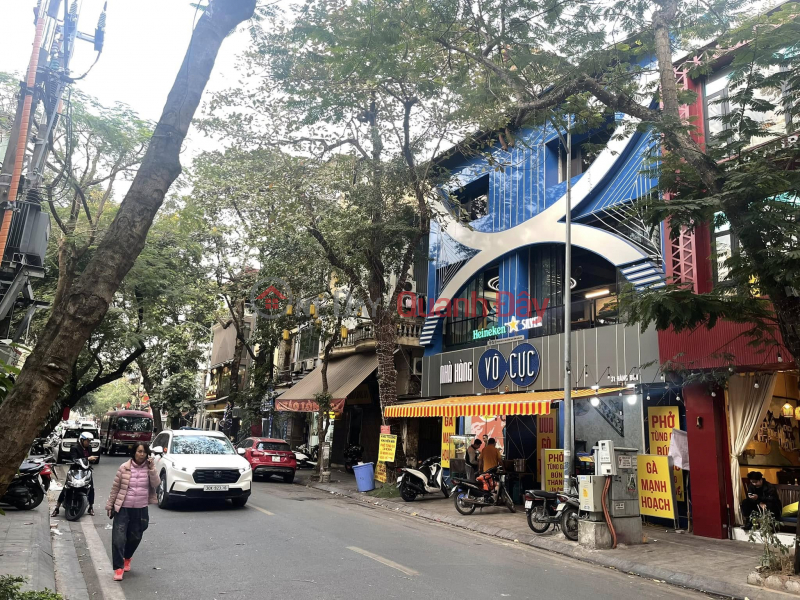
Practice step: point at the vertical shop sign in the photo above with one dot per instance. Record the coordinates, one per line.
(656, 494)
(546, 427)
(661, 421)
(448, 429)
(553, 470)
(380, 472)
(387, 447)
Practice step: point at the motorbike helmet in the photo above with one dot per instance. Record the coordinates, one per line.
(86, 436)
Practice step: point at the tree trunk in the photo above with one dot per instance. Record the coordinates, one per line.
(84, 306)
(150, 388)
(385, 346)
(238, 353)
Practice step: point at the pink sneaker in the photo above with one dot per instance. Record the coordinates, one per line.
(118, 575)
(127, 564)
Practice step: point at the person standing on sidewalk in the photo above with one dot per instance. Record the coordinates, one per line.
(133, 489)
(471, 458)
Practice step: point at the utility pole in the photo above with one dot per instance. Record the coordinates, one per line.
(24, 226)
(569, 433)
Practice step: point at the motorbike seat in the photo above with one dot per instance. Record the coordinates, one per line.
(544, 494)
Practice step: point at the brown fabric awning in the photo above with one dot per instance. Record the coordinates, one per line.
(344, 376)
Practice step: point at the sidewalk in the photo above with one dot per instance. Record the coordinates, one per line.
(25, 547)
(707, 565)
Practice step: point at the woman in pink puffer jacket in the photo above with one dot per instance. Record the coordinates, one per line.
(134, 488)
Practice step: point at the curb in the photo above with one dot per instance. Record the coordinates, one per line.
(702, 584)
(46, 572)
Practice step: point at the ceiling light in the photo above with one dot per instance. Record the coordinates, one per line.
(595, 387)
(598, 293)
(595, 401)
(631, 399)
(631, 385)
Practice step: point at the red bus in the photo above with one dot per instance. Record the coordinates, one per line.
(121, 429)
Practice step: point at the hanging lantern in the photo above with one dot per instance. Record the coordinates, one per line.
(797, 413)
(344, 333)
(312, 310)
(788, 410)
(286, 335)
(289, 310)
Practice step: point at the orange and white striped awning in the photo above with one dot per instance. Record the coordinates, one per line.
(494, 405)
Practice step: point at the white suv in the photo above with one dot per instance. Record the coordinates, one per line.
(199, 464)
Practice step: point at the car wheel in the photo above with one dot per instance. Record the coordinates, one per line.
(239, 502)
(162, 493)
(288, 478)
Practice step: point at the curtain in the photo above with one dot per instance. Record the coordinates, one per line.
(747, 408)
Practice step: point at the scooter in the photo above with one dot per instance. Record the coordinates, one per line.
(352, 456)
(79, 481)
(306, 457)
(542, 508)
(428, 479)
(26, 490)
(469, 495)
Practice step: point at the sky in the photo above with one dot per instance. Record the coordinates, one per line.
(145, 44)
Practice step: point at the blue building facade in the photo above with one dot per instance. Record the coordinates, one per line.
(503, 236)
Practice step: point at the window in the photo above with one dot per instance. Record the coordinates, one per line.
(725, 244)
(472, 201)
(162, 439)
(248, 443)
(200, 444)
(309, 344)
(474, 308)
(274, 446)
(717, 107)
(138, 424)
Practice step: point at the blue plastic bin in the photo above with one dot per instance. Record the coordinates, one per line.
(365, 477)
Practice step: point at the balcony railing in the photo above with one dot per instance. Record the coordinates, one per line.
(586, 314)
(408, 332)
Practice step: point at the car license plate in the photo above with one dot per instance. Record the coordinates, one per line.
(215, 488)
(276, 459)
(528, 503)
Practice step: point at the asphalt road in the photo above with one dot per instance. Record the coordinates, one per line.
(293, 542)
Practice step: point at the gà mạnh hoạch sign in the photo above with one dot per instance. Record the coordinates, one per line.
(656, 494)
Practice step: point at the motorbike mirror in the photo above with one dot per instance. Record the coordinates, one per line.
(241, 450)
(157, 450)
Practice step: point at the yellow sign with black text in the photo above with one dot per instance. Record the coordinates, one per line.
(448, 429)
(656, 494)
(553, 470)
(387, 447)
(661, 420)
(546, 427)
(380, 472)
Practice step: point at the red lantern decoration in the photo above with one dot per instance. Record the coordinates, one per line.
(65, 414)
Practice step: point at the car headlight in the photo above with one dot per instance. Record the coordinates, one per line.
(245, 469)
(188, 470)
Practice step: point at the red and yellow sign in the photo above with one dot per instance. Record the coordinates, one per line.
(448, 429)
(387, 447)
(553, 470)
(546, 427)
(661, 421)
(656, 494)
(380, 472)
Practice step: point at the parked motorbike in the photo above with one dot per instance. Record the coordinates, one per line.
(79, 481)
(469, 495)
(26, 490)
(552, 508)
(37, 447)
(428, 479)
(352, 456)
(306, 456)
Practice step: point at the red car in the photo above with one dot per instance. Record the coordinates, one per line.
(270, 457)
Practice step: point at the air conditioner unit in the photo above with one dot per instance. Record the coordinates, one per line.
(308, 365)
(417, 366)
(297, 367)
